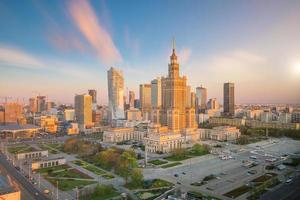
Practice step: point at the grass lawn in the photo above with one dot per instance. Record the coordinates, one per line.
(50, 150)
(20, 149)
(198, 195)
(87, 166)
(158, 162)
(104, 192)
(171, 165)
(238, 191)
(189, 154)
(108, 176)
(68, 184)
(150, 195)
(151, 184)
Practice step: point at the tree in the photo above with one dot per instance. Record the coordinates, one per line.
(137, 177)
(126, 164)
(179, 153)
(243, 139)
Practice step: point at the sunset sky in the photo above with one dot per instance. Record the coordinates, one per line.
(59, 48)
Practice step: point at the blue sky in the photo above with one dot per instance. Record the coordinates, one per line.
(59, 48)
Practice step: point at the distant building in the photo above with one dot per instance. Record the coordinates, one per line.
(49, 123)
(285, 117)
(41, 103)
(156, 93)
(220, 133)
(137, 103)
(228, 99)
(213, 104)
(131, 99)
(73, 129)
(266, 116)
(93, 94)
(114, 135)
(13, 112)
(83, 111)
(50, 105)
(145, 100)
(32, 105)
(32, 154)
(69, 115)
(134, 115)
(115, 94)
(295, 117)
(201, 98)
(19, 131)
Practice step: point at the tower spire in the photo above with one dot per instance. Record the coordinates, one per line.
(173, 44)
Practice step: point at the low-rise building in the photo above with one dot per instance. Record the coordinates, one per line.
(43, 163)
(73, 129)
(120, 134)
(163, 142)
(134, 115)
(220, 133)
(32, 154)
(19, 131)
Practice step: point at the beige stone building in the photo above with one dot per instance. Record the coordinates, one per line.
(114, 135)
(32, 155)
(47, 163)
(220, 133)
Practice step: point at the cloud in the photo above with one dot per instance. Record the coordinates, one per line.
(131, 42)
(14, 57)
(17, 58)
(184, 55)
(87, 22)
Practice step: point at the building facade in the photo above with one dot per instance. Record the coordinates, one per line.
(115, 94)
(228, 99)
(201, 98)
(145, 100)
(83, 111)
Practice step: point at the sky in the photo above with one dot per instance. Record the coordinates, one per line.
(62, 48)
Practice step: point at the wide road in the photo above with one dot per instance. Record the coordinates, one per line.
(21, 179)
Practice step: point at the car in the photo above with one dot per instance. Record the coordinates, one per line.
(252, 172)
(183, 173)
(289, 181)
(178, 183)
(176, 175)
(46, 191)
(253, 157)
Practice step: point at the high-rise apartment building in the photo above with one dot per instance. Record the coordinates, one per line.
(131, 99)
(201, 98)
(93, 94)
(83, 110)
(228, 99)
(115, 94)
(156, 93)
(145, 100)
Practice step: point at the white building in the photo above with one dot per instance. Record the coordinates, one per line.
(69, 114)
(285, 117)
(115, 94)
(114, 135)
(47, 163)
(32, 155)
(220, 133)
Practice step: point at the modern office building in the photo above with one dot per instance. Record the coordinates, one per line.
(131, 99)
(145, 100)
(115, 94)
(32, 105)
(93, 94)
(228, 99)
(49, 123)
(156, 93)
(69, 114)
(50, 105)
(201, 98)
(83, 110)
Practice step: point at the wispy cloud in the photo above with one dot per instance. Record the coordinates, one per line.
(131, 42)
(98, 37)
(13, 57)
(184, 55)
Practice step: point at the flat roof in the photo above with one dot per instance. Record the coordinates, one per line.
(4, 185)
(14, 127)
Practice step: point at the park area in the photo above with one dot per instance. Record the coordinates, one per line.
(183, 154)
(20, 149)
(65, 177)
(52, 148)
(92, 168)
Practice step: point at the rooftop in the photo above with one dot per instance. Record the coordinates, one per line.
(13, 127)
(4, 185)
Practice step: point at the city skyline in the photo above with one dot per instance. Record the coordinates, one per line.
(254, 47)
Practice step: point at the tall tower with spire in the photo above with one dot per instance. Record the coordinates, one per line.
(174, 98)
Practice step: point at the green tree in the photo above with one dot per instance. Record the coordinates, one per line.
(243, 139)
(137, 177)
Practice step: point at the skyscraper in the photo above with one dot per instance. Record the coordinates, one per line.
(228, 99)
(201, 98)
(41, 103)
(115, 94)
(83, 110)
(131, 99)
(156, 92)
(93, 94)
(145, 100)
(213, 104)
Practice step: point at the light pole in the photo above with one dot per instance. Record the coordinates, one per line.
(57, 190)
